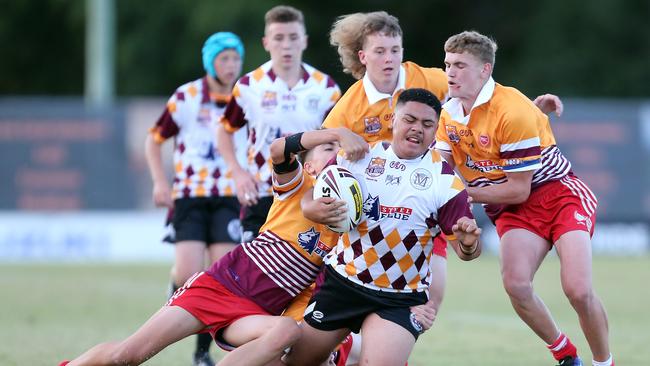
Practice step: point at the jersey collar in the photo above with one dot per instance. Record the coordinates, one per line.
(375, 95)
(455, 108)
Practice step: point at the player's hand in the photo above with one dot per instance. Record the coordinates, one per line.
(246, 187)
(162, 196)
(467, 233)
(549, 103)
(325, 210)
(354, 146)
(425, 314)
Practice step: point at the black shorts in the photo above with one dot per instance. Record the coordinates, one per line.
(338, 303)
(207, 219)
(253, 217)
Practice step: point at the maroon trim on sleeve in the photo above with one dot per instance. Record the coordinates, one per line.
(453, 210)
(330, 82)
(245, 80)
(521, 153)
(234, 114)
(166, 126)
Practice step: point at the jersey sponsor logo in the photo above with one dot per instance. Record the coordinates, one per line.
(375, 167)
(393, 180)
(376, 211)
(311, 102)
(583, 220)
(388, 117)
(289, 102)
(204, 117)
(269, 100)
(421, 179)
(482, 166)
(484, 140)
(397, 165)
(510, 162)
(309, 241)
(373, 125)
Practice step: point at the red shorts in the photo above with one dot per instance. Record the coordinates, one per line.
(211, 303)
(440, 245)
(552, 210)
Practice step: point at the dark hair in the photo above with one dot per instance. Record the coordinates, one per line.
(421, 96)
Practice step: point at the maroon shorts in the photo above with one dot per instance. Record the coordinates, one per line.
(211, 303)
(552, 210)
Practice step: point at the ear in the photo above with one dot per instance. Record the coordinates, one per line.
(265, 43)
(309, 168)
(487, 69)
(362, 57)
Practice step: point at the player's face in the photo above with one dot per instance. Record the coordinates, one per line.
(382, 56)
(285, 42)
(414, 128)
(320, 156)
(227, 64)
(466, 74)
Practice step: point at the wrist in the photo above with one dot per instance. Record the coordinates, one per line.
(472, 248)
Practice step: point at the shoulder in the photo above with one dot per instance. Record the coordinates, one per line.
(510, 101)
(322, 79)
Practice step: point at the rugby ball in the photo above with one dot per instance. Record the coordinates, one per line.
(336, 181)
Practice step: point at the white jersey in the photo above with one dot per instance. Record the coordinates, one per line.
(406, 204)
(191, 117)
(271, 110)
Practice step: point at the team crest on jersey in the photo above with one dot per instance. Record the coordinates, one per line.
(421, 179)
(375, 211)
(376, 167)
(310, 241)
(269, 100)
(484, 140)
(373, 125)
(311, 102)
(482, 166)
(452, 133)
(204, 116)
(393, 180)
(583, 220)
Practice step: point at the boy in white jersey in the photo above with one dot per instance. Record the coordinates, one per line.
(380, 269)
(205, 210)
(281, 97)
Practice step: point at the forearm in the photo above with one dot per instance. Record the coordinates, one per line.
(153, 154)
(508, 193)
(226, 148)
(309, 140)
(467, 251)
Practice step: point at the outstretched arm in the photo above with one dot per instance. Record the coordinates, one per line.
(549, 103)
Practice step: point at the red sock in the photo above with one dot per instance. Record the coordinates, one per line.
(562, 348)
(64, 363)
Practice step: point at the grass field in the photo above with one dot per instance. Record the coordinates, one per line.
(52, 312)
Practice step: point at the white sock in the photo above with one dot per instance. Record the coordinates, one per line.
(603, 363)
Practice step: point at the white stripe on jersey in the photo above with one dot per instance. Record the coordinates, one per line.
(554, 165)
(578, 188)
(281, 262)
(523, 144)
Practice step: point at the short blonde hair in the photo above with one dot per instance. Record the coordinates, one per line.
(349, 33)
(483, 47)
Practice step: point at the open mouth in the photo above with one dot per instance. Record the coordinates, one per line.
(414, 140)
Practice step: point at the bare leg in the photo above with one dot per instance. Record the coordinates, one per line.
(522, 252)
(260, 339)
(169, 325)
(314, 346)
(574, 250)
(384, 342)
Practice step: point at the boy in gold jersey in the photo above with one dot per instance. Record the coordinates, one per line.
(504, 148)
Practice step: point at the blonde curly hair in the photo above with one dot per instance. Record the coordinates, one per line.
(349, 33)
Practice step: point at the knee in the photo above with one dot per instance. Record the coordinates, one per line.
(284, 334)
(579, 296)
(518, 290)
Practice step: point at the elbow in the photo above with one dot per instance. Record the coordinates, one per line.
(277, 151)
(521, 195)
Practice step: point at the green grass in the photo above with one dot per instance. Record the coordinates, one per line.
(52, 312)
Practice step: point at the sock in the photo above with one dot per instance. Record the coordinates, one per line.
(203, 341)
(64, 363)
(562, 348)
(609, 362)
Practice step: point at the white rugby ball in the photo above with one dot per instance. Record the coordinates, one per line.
(336, 181)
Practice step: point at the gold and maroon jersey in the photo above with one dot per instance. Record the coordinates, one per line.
(264, 102)
(191, 116)
(369, 113)
(406, 204)
(504, 132)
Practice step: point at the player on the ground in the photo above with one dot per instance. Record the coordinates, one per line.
(279, 98)
(504, 148)
(202, 197)
(379, 270)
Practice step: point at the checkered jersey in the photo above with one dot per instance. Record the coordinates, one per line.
(271, 109)
(191, 117)
(504, 132)
(406, 204)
